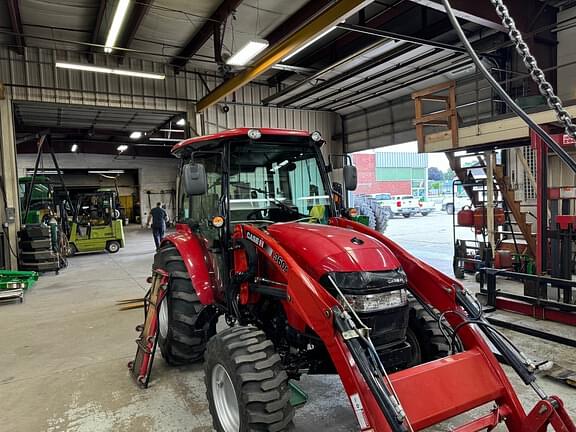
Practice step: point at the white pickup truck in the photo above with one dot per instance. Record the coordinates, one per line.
(400, 205)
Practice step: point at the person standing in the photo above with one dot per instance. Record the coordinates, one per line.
(158, 216)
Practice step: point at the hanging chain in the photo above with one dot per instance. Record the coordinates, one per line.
(536, 73)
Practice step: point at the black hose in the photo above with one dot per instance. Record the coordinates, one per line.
(563, 154)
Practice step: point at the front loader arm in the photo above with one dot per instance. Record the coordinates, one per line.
(449, 297)
(315, 306)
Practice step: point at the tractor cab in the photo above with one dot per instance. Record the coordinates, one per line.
(277, 181)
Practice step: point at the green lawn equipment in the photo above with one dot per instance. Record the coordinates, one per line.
(96, 225)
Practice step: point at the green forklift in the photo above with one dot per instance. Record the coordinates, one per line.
(96, 224)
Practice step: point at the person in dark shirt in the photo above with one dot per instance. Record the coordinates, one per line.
(158, 218)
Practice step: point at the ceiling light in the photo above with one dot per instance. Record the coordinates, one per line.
(307, 44)
(247, 52)
(74, 148)
(136, 135)
(181, 122)
(106, 172)
(165, 139)
(31, 171)
(117, 21)
(122, 147)
(98, 69)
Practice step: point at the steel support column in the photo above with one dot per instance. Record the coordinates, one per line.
(9, 179)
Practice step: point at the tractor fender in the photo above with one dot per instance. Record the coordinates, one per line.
(194, 255)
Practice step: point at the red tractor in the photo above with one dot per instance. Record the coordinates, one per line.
(303, 288)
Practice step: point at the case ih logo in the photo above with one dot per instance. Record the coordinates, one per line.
(255, 239)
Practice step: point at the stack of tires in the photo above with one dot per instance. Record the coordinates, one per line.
(377, 216)
(36, 249)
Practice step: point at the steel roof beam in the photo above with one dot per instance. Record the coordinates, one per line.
(392, 12)
(398, 86)
(206, 31)
(139, 11)
(274, 54)
(297, 20)
(481, 13)
(16, 24)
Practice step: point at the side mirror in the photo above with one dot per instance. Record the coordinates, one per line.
(350, 177)
(194, 179)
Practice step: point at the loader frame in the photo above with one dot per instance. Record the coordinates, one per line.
(454, 385)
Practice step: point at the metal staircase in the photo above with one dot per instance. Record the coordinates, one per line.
(502, 189)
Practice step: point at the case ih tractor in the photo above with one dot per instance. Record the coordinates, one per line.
(304, 289)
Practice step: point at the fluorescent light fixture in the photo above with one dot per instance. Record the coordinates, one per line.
(248, 52)
(166, 139)
(181, 122)
(74, 148)
(31, 171)
(307, 44)
(98, 69)
(106, 172)
(172, 130)
(117, 21)
(122, 147)
(136, 135)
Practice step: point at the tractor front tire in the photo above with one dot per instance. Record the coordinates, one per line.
(181, 336)
(432, 343)
(246, 385)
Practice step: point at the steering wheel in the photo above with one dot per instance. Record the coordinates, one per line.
(257, 214)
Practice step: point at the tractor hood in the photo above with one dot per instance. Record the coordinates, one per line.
(323, 248)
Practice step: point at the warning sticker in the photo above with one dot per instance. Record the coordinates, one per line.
(359, 411)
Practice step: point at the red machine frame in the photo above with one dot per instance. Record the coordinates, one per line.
(453, 385)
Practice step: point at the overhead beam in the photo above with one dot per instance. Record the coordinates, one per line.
(135, 19)
(16, 24)
(341, 45)
(297, 20)
(328, 18)
(481, 13)
(206, 31)
(96, 30)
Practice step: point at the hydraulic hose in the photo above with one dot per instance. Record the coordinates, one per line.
(553, 145)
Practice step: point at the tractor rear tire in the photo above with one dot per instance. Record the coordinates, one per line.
(433, 344)
(246, 384)
(181, 336)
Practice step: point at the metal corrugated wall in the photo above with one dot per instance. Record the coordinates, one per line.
(390, 123)
(34, 77)
(401, 159)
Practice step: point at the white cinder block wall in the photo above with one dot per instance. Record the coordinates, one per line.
(155, 174)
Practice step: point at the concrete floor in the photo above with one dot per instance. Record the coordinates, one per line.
(65, 349)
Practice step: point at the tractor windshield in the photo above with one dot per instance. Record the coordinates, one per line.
(279, 182)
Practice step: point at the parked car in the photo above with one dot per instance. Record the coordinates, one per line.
(449, 205)
(426, 207)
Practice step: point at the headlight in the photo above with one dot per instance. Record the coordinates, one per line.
(377, 302)
(367, 282)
